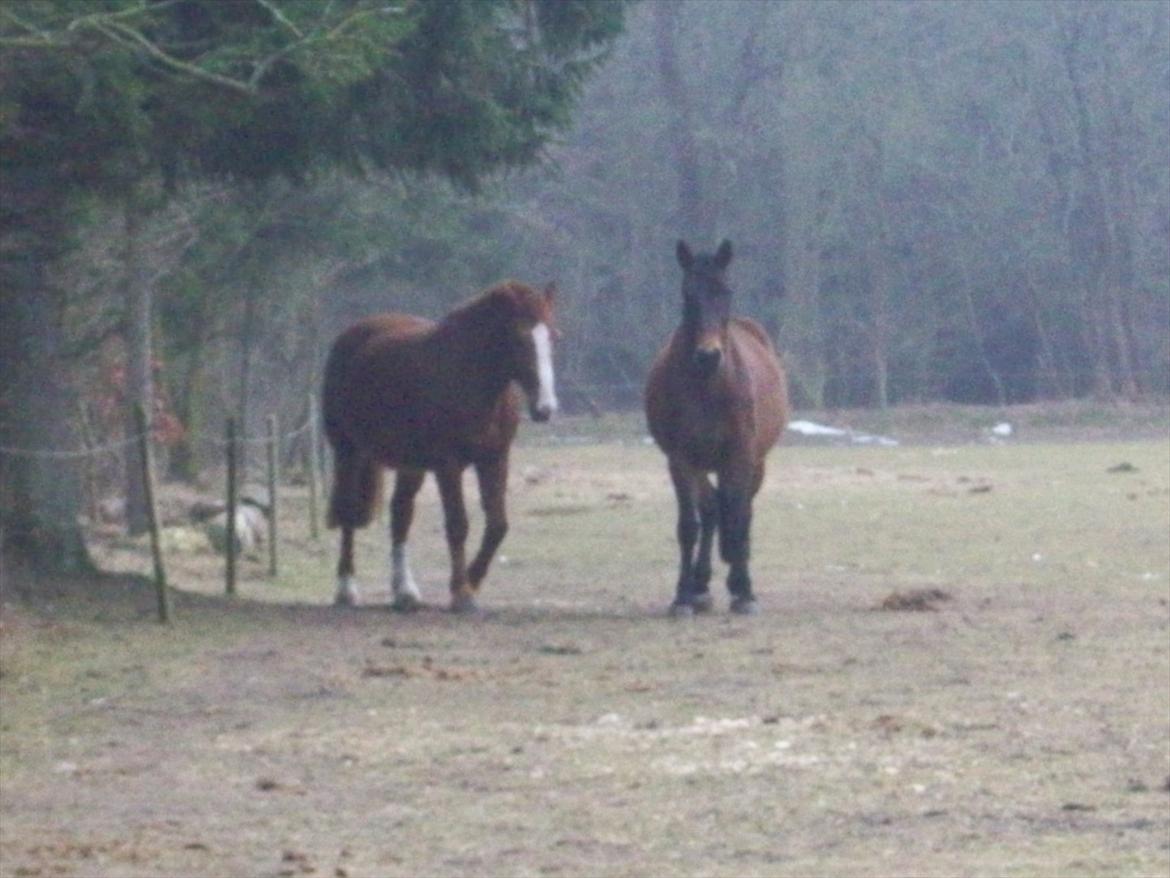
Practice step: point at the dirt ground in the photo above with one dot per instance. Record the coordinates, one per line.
(962, 667)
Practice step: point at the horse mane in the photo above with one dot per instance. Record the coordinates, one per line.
(506, 297)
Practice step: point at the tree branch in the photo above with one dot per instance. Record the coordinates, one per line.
(280, 17)
(130, 38)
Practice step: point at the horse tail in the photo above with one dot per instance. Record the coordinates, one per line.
(357, 488)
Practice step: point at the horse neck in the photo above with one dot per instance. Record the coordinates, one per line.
(468, 349)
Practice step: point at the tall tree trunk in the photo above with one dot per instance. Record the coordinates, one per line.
(1055, 380)
(974, 324)
(1098, 312)
(876, 252)
(183, 463)
(1121, 212)
(139, 379)
(694, 215)
(39, 497)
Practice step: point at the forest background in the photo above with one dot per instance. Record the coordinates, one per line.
(957, 201)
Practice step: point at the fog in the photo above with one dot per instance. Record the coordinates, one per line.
(928, 201)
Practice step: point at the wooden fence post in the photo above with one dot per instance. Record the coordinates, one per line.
(272, 504)
(147, 454)
(313, 470)
(230, 524)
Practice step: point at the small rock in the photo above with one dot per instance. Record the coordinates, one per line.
(560, 649)
(250, 528)
(185, 540)
(111, 510)
(257, 496)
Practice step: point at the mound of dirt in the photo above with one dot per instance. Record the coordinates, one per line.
(916, 600)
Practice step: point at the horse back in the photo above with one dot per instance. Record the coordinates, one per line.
(390, 391)
(368, 352)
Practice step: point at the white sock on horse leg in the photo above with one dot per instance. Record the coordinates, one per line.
(401, 579)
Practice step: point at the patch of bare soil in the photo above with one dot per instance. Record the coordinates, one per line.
(916, 600)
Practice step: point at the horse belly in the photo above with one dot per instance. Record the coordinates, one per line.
(697, 438)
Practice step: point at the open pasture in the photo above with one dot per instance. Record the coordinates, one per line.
(1004, 713)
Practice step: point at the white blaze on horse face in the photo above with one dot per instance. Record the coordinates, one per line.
(542, 337)
(401, 579)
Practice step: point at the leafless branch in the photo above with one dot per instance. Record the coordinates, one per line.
(280, 17)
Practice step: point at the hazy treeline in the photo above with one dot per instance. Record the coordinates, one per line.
(961, 201)
(930, 201)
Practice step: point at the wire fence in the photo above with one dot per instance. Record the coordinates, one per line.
(135, 439)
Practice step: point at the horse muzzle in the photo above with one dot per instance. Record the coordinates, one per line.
(707, 361)
(540, 413)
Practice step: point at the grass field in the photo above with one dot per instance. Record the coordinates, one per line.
(1017, 726)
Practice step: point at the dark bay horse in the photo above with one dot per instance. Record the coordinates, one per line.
(716, 402)
(416, 396)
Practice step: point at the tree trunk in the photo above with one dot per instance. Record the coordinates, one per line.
(1101, 311)
(183, 462)
(39, 497)
(694, 219)
(876, 252)
(139, 378)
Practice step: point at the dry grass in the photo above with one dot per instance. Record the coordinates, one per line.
(574, 729)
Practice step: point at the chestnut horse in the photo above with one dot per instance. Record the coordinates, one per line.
(716, 402)
(416, 396)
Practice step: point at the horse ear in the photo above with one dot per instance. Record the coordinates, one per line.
(685, 257)
(723, 255)
(550, 291)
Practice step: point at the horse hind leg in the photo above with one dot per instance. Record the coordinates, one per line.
(402, 584)
(356, 486)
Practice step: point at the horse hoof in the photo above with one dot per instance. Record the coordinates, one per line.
(703, 603)
(464, 604)
(745, 606)
(681, 611)
(405, 603)
(347, 591)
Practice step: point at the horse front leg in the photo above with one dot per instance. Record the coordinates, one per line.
(450, 479)
(493, 486)
(736, 491)
(708, 523)
(684, 478)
